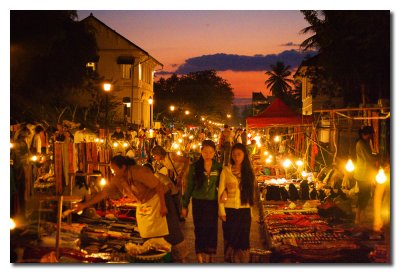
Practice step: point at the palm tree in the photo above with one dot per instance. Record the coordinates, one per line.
(353, 49)
(278, 81)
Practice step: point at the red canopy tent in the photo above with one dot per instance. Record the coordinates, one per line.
(278, 114)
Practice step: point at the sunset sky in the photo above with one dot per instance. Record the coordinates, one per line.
(186, 41)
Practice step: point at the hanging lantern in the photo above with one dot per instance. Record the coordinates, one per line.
(349, 166)
(381, 177)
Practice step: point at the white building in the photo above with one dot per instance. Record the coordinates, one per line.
(129, 68)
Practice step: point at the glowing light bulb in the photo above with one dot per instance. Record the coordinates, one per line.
(299, 163)
(12, 224)
(194, 146)
(286, 163)
(190, 137)
(268, 160)
(125, 144)
(115, 144)
(349, 166)
(34, 158)
(103, 182)
(175, 145)
(11, 145)
(277, 138)
(381, 177)
(96, 140)
(101, 140)
(178, 152)
(180, 140)
(266, 153)
(304, 174)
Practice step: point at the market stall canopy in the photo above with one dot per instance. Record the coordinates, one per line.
(278, 114)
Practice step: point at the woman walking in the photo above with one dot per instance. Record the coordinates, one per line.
(177, 168)
(236, 196)
(202, 185)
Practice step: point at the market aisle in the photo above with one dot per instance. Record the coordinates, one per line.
(256, 240)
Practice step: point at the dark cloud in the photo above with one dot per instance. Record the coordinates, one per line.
(161, 73)
(290, 44)
(223, 62)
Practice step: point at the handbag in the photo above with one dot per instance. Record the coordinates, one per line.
(174, 174)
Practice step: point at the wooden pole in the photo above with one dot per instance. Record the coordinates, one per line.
(59, 218)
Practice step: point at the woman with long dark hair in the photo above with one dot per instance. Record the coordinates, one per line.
(236, 197)
(202, 186)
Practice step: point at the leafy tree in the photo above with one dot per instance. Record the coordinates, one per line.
(204, 93)
(354, 52)
(49, 52)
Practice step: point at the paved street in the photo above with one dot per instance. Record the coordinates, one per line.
(256, 240)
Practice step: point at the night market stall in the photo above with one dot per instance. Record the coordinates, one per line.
(308, 216)
(105, 233)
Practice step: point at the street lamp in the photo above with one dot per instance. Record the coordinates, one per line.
(107, 89)
(150, 103)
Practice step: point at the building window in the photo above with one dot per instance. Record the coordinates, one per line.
(126, 71)
(145, 73)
